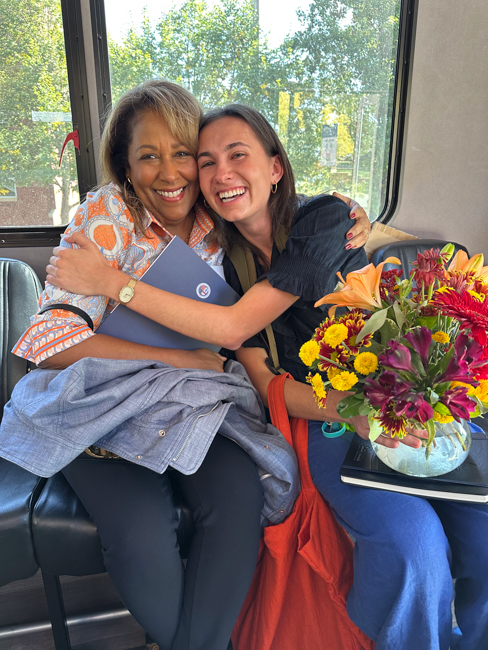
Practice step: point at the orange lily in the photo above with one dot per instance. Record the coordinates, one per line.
(461, 262)
(361, 289)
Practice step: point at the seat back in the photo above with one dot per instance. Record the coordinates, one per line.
(19, 292)
(19, 489)
(406, 251)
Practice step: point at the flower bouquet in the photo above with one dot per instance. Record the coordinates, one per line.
(413, 354)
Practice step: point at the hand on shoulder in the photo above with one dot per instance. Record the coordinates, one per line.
(359, 234)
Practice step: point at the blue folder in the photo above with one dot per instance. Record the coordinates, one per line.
(178, 269)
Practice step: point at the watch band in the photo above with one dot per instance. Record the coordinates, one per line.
(123, 297)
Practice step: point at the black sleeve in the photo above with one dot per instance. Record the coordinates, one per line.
(315, 251)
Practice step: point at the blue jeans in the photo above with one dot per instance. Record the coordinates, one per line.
(407, 552)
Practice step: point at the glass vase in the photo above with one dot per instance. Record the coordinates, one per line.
(449, 449)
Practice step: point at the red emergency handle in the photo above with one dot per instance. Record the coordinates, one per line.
(75, 136)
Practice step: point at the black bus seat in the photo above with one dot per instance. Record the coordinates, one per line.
(42, 522)
(19, 489)
(407, 250)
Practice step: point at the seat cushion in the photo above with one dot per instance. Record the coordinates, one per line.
(19, 490)
(66, 539)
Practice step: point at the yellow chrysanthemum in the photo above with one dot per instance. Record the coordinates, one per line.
(309, 352)
(335, 334)
(344, 380)
(440, 337)
(481, 391)
(333, 371)
(318, 388)
(443, 419)
(365, 363)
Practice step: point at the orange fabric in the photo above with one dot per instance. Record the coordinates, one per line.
(297, 600)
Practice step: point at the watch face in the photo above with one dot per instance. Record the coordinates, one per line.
(126, 294)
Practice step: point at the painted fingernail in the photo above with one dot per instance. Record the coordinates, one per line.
(353, 215)
(349, 235)
(348, 247)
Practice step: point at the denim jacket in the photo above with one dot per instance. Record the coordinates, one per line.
(149, 413)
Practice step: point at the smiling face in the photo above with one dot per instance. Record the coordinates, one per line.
(236, 173)
(163, 172)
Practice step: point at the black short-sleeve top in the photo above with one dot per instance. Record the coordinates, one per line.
(307, 268)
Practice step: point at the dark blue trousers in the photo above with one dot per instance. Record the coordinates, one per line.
(182, 609)
(407, 552)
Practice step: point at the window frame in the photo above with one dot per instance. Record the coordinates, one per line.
(401, 94)
(87, 63)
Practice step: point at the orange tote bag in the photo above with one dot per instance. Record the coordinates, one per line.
(297, 600)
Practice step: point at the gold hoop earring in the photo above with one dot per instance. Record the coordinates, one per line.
(129, 180)
(206, 204)
(274, 188)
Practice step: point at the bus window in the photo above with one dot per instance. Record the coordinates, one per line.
(321, 71)
(35, 117)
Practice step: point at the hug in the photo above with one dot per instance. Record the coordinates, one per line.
(222, 183)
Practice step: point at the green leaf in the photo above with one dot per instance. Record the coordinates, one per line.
(375, 428)
(426, 321)
(389, 331)
(480, 407)
(364, 409)
(441, 409)
(440, 389)
(373, 324)
(399, 315)
(430, 427)
(349, 406)
(440, 367)
(417, 363)
(433, 396)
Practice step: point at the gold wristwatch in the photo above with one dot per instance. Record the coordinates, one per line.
(127, 292)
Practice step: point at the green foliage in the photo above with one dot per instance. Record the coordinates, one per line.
(349, 406)
(336, 69)
(33, 77)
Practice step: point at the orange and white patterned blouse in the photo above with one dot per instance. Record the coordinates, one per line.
(105, 219)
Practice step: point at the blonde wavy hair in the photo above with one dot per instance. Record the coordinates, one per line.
(175, 105)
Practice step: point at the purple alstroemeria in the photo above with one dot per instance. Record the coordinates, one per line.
(388, 386)
(469, 350)
(397, 356)
(457, 370)
(414, 407)
(459, 404)
(420, 339)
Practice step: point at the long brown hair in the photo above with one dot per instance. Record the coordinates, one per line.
(175, 105)
(282, 204)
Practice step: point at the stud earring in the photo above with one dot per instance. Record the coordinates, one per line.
(274, 188)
